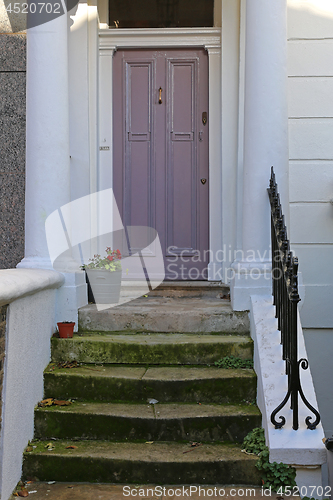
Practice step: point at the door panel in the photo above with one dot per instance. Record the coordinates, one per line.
(138, 152)
(161, 152)
(182, 161)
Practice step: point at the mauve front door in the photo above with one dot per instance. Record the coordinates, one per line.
(161, 152)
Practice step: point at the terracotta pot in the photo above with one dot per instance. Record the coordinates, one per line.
(105, 285)
(66, 330)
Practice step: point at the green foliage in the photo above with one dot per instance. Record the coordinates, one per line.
(276, 475)
(233, 362)
(254, 442)
(111, 262)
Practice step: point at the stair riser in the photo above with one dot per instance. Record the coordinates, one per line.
(180, 291)
(236, 323)
(114, 428)
(100, 470)
(85, 351)
(233, 390)
(205, 293)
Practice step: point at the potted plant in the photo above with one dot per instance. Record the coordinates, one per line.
(104, 276)
(66, 329)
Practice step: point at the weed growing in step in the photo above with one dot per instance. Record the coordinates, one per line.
(278, 476)
(234, 362)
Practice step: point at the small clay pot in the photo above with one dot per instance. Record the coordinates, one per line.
(66, 330)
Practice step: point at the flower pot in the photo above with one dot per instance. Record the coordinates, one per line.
(66, 330)
(105, 285)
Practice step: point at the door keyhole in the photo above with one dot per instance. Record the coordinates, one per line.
(160, 95)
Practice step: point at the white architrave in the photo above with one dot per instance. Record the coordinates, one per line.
(265, 144)
(209, 39)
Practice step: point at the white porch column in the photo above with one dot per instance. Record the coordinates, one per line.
(47, 147)
(265, 143)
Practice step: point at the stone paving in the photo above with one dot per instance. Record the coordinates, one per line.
(84, 491)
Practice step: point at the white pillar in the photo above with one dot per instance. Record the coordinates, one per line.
(47, 149)
(265, 143)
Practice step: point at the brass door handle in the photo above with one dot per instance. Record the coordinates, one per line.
(160, 95)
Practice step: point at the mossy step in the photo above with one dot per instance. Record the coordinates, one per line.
(138, 383)
(166, 314)
(159, 422)
(141, 463)
(151, 349)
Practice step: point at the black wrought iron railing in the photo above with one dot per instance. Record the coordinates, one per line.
(285, 299)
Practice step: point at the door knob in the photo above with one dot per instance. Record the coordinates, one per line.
(203, 181)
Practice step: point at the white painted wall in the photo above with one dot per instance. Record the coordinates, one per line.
(310, 70)
(31, 295)
(302, 448)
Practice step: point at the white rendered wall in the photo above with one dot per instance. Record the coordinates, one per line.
(302, 448)
(310, 70)
(30, 324)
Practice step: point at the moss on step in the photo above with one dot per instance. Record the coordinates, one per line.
(158, 463)
(177, 384)
(167, 422)
(151, 349)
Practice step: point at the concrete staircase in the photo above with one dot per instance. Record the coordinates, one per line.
(160, 347)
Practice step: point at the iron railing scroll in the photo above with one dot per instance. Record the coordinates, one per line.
(285, 299)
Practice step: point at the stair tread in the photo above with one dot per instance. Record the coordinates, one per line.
(151, 304)
(161, 411)
(164, 373)
(174, 285)
(156, 452)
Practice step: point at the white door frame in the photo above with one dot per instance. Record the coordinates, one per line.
(208, 38)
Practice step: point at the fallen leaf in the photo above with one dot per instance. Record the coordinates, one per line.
(68, 364)
(149, 442)
(23, 493)
(71, 447)
(61, 403)
(193, 447)
(49, 446)
(46, 402)
(28, 449)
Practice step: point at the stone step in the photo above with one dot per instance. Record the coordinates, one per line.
(150, 422)
(146, 349)
(138, 383)
(140, 463)
(166, 314)
(187, 289)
